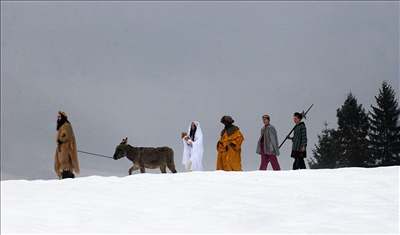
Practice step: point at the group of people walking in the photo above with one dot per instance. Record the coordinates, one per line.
(66, 163)
(230, 142)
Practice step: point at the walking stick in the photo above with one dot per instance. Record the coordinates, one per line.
(304, 115)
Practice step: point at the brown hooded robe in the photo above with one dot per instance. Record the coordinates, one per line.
(66, 157)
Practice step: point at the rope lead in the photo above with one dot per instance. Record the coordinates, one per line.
(94, 154)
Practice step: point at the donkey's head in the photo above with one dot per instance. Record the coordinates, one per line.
(122, 149)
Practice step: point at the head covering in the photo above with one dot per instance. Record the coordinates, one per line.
(197, 133)
(62, 114)
(61, 120)
(229, 127)
(227, 120)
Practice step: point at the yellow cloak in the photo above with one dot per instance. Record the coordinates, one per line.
(229, 151)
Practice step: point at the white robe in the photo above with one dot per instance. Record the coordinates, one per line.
(193, 154)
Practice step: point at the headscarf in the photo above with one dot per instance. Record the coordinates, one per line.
(229, 127)
(63, 119)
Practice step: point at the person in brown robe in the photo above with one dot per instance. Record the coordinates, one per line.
(66, 163)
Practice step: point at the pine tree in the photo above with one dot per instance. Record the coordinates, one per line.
(325, 152)
(352, 133)
(384, 132)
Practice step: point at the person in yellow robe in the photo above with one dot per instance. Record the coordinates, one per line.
(229, 146)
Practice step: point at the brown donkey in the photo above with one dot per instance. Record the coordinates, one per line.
(145, 157)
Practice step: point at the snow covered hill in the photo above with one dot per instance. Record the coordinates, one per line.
(342, 200)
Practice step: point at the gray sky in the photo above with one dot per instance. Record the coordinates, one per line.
(145, 70)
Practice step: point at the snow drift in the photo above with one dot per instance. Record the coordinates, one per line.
(354, 200)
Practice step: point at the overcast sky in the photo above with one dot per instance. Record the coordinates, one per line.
(145, 70)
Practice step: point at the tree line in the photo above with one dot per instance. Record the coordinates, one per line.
(362, 138)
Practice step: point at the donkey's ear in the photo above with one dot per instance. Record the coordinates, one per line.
(124, 140)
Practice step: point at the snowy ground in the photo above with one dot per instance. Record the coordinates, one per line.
(351, 200)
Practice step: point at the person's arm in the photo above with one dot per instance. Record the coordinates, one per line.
(292, 137)
(220, 146)
(65, 134)
(74, 157)
(303, 143)
(186, 139)
(236, 142)
(276, 136)
(275, 140)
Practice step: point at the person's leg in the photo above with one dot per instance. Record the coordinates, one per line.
(302, 164)
(64, 175)
(263, 165)
(189, 165)
(67, 174)
(267, 160)
(295, 164)
(293, 155)
(274, 163)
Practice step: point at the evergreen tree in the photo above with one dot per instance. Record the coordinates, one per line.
(352, 134)
(325, 152)
(384, 132)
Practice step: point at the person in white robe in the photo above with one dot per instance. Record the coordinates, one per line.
(193, 148)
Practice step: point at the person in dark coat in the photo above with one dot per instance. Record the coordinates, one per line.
(299, 142)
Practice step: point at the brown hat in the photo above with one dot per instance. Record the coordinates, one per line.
(266, 116)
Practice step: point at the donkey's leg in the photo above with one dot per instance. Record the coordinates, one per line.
(141, 166)
(133, 168)
(171, 167)
(163, 168)
(170, 161)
